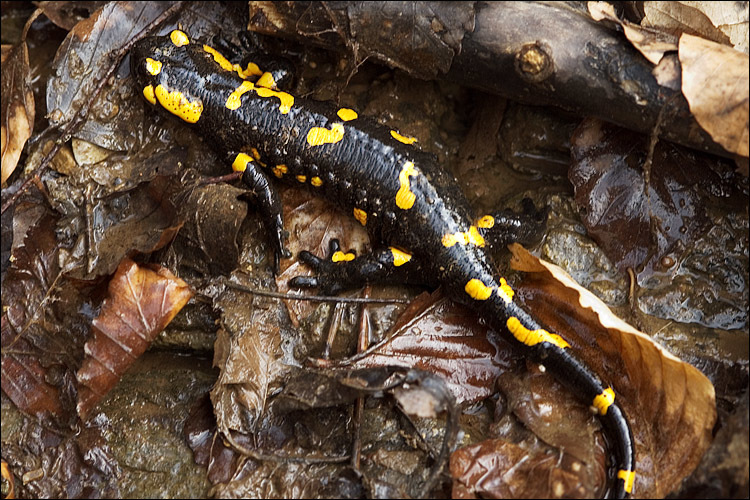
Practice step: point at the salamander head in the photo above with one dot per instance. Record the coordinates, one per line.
(165, 69)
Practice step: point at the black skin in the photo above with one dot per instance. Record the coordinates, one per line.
(364, 168)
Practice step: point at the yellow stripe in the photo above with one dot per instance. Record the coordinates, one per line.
(240, 162)
(486, 222)
(361, 216)
(219, 58)
(400, 258)
(471, 236)
(148, 93)
(403, 138)
(628, 476)
(478, 290)
(233, 101)
(505, 291)
(341, 256)
(533, 337)
(179, 38)
(280, 170)
(347, 114)
(317, 136)
(266, 80)
(153, 67)
(286, 100)
(404, 197)
(302, 178)
(177, 104)
(603, 401)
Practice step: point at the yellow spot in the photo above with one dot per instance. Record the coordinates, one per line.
(404, 197)
(400, 258)
(153, 66)
(177, 104)
(286, 100)
(255, 153)
(317, 136)
(471, 236)
(629, 477)
(148, 93)
(179, 38)
(266, 80)
(341, 256)
(280, 170)
(533, 337)
(486, 222)
(219, 58)
(403, 138)
(505, 291)
(251, 70)
(233, 101)
(302, 178)
(603, 401)
(240, 162)
(478, 290)
(347, 114)
(361, 216)
(316, 181)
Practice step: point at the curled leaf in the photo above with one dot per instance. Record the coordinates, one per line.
(669, 403)
(715, 83)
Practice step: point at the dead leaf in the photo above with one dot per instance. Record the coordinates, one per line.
(652, 43)
(313, 223)
(715, 82)
(730, 17)
(248, 354)
(684, 17)
(670, 404)
(141, 303)
(17, 120)
(446, 339)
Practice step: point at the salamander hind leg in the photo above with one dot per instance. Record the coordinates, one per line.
(341, 271)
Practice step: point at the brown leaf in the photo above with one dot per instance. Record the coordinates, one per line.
(715, 81)
(313, 223)
(680, 17)
(446, 339)
(141, 303)
(496, 468)
(669, 403)
(17, 120)
(248, 354)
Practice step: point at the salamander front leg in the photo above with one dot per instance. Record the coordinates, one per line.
(344, 270)
(268, 201)
(506, 226)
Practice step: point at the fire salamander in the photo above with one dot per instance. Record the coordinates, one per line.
(379, 176)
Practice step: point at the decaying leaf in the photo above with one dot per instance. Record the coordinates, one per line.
(30, 344)
(684, 17)
(669, 403)
(652, 43)
(313, 223)
(17, 111)
(715, 82)
(248, 354)
(141, 303)
(446, 339)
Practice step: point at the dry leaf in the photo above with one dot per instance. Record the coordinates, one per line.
(649, 42)
(730, 17)
(17, 109)
(670, 404)
(446, 339)
(715, 82)
(141, 303)
(679, 18)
